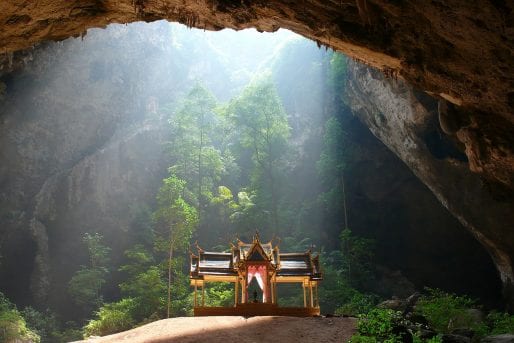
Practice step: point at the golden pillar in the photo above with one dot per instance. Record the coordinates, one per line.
(195, 296)
(304, 295)
(236, 291)
(310, 291)
(203, 294)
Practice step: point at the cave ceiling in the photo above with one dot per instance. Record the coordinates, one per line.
(459, 51)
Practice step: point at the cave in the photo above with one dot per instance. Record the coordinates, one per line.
(448, 65)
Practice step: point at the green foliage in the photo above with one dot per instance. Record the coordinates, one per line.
(47, 326)
(358, 303)
(193, 131)
(69, 334)
(264, 131)
(111, 318)
(219, 294)
(378, 325)
(333, 157)
(346, 272)
(86, 283)
(446, 311)
(358, 338)
(139, 259)
(338, 73)
(174, 218)
(435, 339)
(147, 290)
(13, 326)
(98, 253)
(357, 253)
(500, 323)
(85, 286)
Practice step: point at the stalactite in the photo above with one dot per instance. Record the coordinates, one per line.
(10, 58)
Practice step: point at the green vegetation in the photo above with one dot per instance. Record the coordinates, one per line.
(112, 318)
(85, 286)
(500, 323)
(12, 324)
(444, 313)
(378, 326)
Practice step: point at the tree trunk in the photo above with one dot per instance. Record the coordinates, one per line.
(169, 279)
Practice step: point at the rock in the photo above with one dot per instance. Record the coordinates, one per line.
(466, 332)
(393, 281)
(438, 47)
(426, 334)
(506, 338)
(451, 338)
(417, 318)
(393, 304)
(411, 303)
(469, 318)
(403, 332)
(388, 108)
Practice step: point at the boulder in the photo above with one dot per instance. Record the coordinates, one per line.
(395, 304)
(452, 338)
(506, 338)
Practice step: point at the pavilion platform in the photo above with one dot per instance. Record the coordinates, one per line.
(257, 309)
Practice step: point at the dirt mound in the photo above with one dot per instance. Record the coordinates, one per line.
(238, 329)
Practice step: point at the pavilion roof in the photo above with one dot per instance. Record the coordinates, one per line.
(227, 263)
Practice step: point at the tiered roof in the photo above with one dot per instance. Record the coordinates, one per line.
(228, 263)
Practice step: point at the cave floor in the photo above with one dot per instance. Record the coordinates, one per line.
(238, 329)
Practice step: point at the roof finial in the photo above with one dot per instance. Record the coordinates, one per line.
(256, 237)
(198, 247)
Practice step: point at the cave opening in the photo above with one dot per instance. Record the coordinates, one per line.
(86, 121)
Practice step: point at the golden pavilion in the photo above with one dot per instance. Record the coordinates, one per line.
(268, 266)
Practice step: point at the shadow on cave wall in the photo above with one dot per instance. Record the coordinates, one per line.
(414, 233)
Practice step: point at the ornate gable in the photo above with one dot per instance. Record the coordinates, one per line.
(256, 251)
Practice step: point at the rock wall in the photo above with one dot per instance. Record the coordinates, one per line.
(407, 122)
(71, 164)
(418, 242)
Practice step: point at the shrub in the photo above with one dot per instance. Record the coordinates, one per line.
(12, 325)
(435, 339)
(360, 303)
(446, 311)
(501, 323)
(358, 338)
(112, 318)
(378, 324)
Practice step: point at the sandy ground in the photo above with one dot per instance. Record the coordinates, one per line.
(238, 329)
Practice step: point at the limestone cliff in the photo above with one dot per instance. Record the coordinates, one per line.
(71, 164)
(407, 122)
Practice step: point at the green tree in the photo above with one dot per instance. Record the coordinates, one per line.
(195, 159)
(86, 283)
(338, 73)
(175, 221)
(262, 122)
(357, 253)
(337, 157)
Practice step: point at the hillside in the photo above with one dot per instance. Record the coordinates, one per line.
(237, 329)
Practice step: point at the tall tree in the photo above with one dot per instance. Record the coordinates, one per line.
(175, 221)
(264, 130)
(86, 283)
(195, 159)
